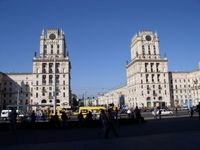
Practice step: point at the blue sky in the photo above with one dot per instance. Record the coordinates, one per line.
(98, 35)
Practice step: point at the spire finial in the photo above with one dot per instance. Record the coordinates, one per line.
(43, 32)
(35, 54)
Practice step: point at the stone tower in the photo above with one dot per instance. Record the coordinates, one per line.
(51, 70)
(147, 73)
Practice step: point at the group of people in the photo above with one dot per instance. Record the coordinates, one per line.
(135, 114)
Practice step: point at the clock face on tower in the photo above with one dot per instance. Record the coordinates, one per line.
(148, 38)
(52, 36)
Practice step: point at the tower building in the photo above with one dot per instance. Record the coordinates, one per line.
(147, 73)
(51, 70)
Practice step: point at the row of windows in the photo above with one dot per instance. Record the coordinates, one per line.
(195, 81)
(52, 77)
(58, 52)
(149, 67)
(45, 46)
(149, 50)
(152, 77)
(159, 87)
(50, 94)
(154, 92)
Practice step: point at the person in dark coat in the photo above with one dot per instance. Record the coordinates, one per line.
(64, 118)
(110, 124)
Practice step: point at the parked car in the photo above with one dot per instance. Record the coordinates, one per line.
(163, 112)
(5, 114)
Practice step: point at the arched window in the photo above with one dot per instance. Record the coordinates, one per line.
(43, 101)
(57, 101)
(160, 98)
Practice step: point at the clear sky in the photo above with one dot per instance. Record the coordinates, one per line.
(98, 35)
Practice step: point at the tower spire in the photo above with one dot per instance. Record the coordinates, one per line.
(43, 32)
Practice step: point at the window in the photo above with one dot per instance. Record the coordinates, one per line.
(50, 79)
(147, 76)
(43, 101)
(51, 46)
(45, 46)
(36, 82)
(58, 46)
(149, 50)
(45, 51)
(143, 51)
(152, 76)
(158, 77)
(57, 51)
(154, 48)
(51, 51)
(63, 94)
(36, 95)
(157, 67)
(151, 67)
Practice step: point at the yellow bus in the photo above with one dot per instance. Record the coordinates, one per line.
(94, 110)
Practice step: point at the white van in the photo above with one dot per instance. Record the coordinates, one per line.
(4, 114)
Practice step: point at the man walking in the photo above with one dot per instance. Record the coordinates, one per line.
(12, 119)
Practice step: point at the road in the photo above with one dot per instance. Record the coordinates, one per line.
(169, 133)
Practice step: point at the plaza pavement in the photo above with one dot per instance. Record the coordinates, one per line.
(165, 134)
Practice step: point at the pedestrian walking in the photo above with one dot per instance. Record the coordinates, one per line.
(56, 120)
(104, 119)
(129, 113)
(64, 118)
(176, 111)
(159, 113)
(12, 119)
(110, 125)
(155, 112)
(137, 114)
(80, 117)
(33, 117)
(116, 113)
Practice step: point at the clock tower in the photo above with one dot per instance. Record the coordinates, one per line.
(51, 70)
(147, 72)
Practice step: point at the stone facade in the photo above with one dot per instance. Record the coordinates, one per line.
(149, 83)
(51, 72)
(115, 96)
(185, 88)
